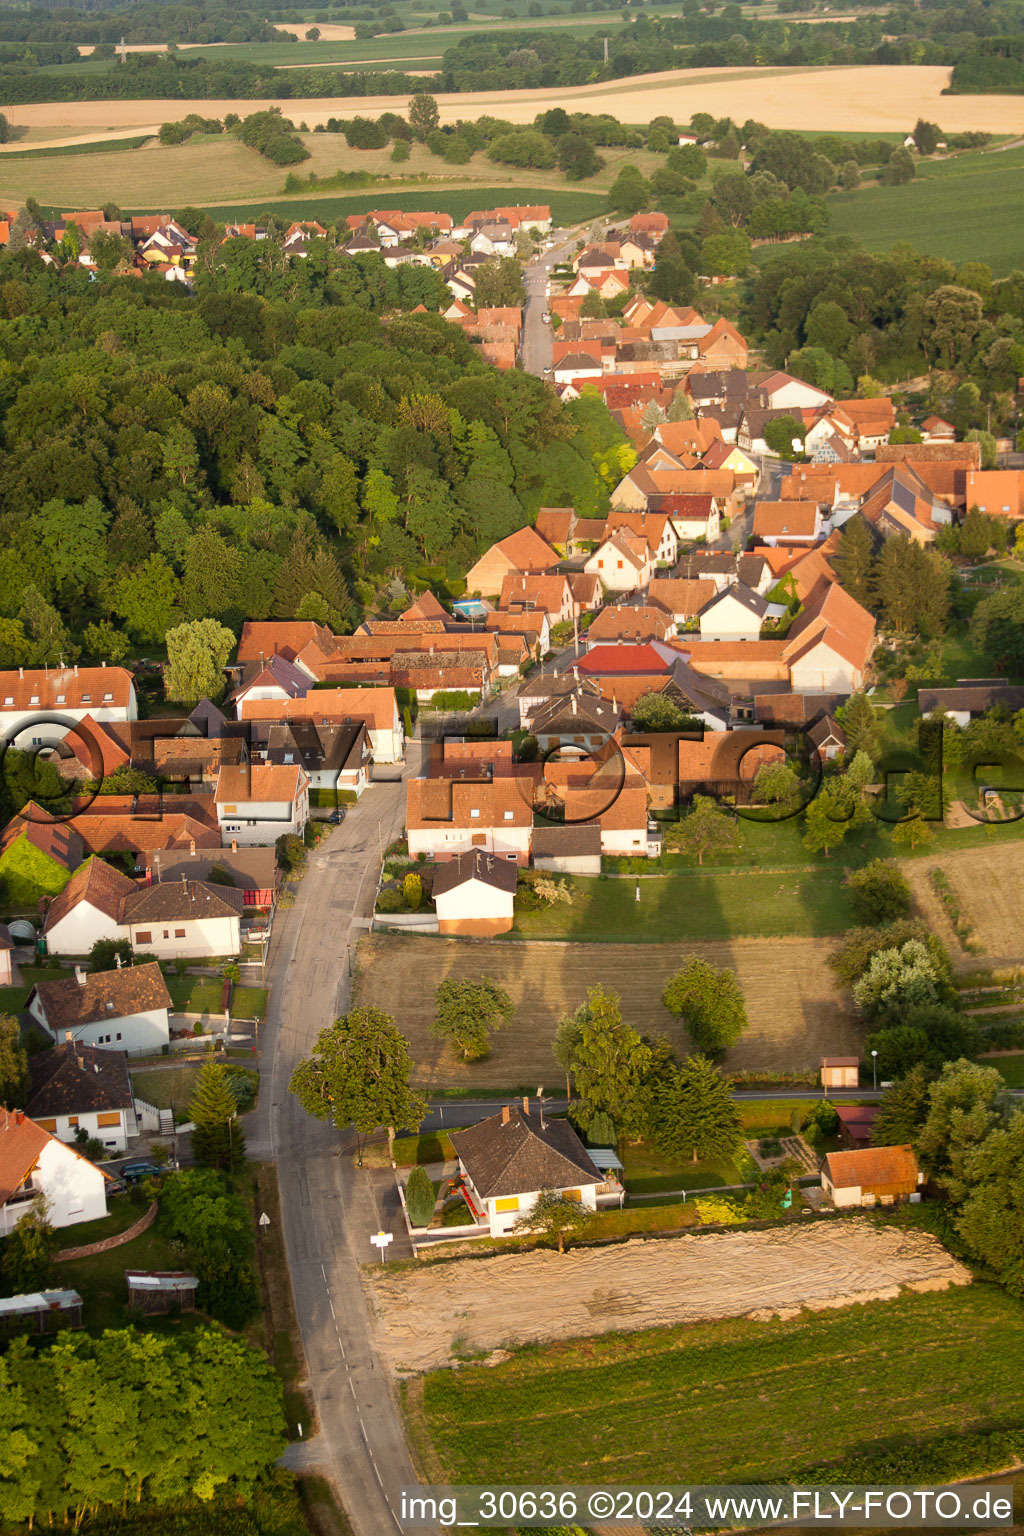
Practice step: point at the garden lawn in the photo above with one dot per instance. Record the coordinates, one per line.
(249, 1002)
(741, 1401)
(705, 904)
(13, 999)
(194, 994)
(650, 1171)
(167, 1087)
(100, 1282)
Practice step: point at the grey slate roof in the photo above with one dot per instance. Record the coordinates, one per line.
(502, 874)
(578, 840)
(73, 1079)
(519, 1157)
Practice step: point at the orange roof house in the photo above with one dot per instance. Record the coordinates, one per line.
(520, 553)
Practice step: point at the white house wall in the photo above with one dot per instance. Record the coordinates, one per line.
(76, 933)
(75, 1190)
(192, 937)
(134, 1032)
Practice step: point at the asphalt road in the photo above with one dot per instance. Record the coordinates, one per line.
(537, 348)
(329, 1208)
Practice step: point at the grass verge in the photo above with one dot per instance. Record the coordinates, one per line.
(281, 1337)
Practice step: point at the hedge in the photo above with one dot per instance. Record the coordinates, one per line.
(454, 698)
(330, 798)
(430, 1147)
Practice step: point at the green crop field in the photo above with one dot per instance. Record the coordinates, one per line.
(926, 1379)
(960, 209)
(566, 207)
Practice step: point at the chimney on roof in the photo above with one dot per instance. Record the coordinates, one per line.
(505, 1114)
(117, 962)
(21, 672)
(234, 845)
(76, 668)
(68, 1037)
(19, 1117)
(526, 1106)
(80, 975)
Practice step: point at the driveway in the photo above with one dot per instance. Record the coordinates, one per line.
(329, 1208)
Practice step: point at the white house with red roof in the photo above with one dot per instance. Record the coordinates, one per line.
(260, 802)
(34, 1164)
(27, 695)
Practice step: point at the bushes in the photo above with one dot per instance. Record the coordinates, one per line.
(419, 1197)
(273, 136)
(879, 892)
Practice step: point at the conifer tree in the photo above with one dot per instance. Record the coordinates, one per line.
(218, 1140)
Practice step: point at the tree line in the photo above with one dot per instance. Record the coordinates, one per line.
(291, 442)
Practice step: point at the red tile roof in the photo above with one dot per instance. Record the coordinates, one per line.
(66, 688)
(607, 660)
(872, 1166)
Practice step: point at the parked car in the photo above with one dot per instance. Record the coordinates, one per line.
(337, 817)
(131, 1173)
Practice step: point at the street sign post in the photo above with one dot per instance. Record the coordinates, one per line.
(380, 1240)
(264, 1222)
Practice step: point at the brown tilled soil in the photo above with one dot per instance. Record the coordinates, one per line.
(989, 884)
(796, 1012)
(488, 1304)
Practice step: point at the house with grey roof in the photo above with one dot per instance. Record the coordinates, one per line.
(736, 613)
(76, 1087)
(508, 1160)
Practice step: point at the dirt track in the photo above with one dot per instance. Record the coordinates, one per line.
(486, 1304)
(989, 884)
(864, 98)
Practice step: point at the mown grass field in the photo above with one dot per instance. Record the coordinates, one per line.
(961, 209)
(738, 1401)
(694, 905)
(795, 1011)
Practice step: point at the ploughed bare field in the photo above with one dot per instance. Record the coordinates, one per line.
(989, 887)
(795, 1010)
(488, 1304)
(861, 98)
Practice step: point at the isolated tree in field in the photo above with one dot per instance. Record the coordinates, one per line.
(13, 1063)
(577, 157)
(705, 830)
(27, 1261)
(927, 136)
(823, 831)
(853, 559)
(466, 1013)
(218, 1140)
(693, 1114)
(878, 893)
(964, 1105)
(611, 1066)
(196, 656)
(424, 116)
(903, 1109)
(911, 834)
(710, 1003)
(358, 1074)
(552, 1215)
(419, 1197)
(630, 192)
(899, 169)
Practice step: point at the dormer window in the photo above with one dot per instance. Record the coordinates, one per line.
(86, 698)
(108, 698)
(475, 814)
(9, 700)
(60, 698)
(34, 699)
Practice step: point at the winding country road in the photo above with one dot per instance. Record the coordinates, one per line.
(329, 1208)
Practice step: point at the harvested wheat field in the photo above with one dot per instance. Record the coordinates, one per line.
(989, 886)
(795, 1010)
(861, 98)
(540, 1297)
